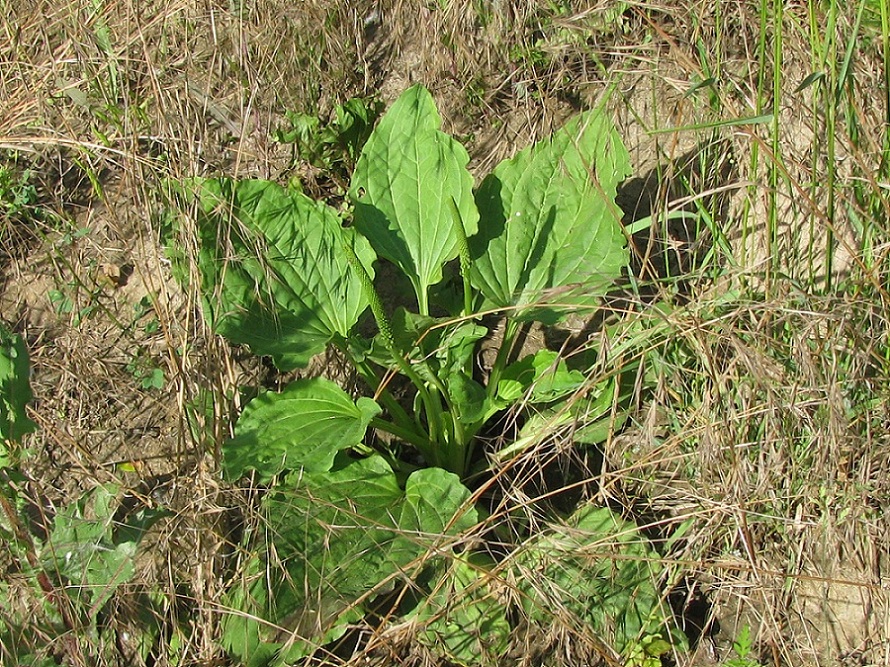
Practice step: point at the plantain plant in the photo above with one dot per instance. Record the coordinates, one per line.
(73, 565)
(368, 493)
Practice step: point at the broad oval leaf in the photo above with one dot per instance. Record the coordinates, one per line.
(463, 620)
(337, 537)
(408, 173)
(92, 549)
(549, 221)
(301, 428)
(598, 570)
(273, 272)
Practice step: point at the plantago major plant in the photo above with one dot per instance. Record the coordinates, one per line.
(360, 488)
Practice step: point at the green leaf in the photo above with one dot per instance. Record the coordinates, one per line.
(590, 417)
(600, 569)
(469, 399)
(301, 428)
(333, 540)
(462, 620)
(460, 344)
(303, 131)
(413, 333)
(273, 271)
(543, 376)
(549, 222)
(15, 392)
(443, 348)
(452, 343)
(595, 418)
(355, 121)
(84, 551)
(407, 174)
(340, 140)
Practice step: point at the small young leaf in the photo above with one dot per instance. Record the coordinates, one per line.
(301, 428)
(355, 121)
(460, 344)
(543, 375)
(469, 399)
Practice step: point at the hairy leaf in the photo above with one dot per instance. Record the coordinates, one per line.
(303, 427)
(334, 539)
(273, 271)
(549, 228)
(408, 173)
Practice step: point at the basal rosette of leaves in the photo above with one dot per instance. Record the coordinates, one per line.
(350, 514)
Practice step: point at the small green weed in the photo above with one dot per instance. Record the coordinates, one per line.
(333, 147)
(743, 647)
(144, 315)
(18, 194)
(70, 301)
(20, 205)
(146, 374)
(66, 570)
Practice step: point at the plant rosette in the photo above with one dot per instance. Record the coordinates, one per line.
(368, 494)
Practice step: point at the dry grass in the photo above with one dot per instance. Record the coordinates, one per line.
(763, 430)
